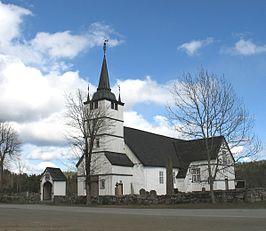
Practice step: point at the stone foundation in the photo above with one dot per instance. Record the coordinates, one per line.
(150, 198)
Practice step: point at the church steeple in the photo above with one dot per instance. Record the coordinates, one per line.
(104, 90)
(104, 83)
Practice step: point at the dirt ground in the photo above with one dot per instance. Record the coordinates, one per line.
(43, 217)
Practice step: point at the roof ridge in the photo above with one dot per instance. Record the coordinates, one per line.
(156, 134)
(212, 137)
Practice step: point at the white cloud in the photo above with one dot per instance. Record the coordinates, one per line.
(10, 21)
(160, 124)
(67, 45)
(191, 48)
(60, 44)
(245, 48)
(134, 91)
(27, 94)
(49, 153)
(39, 168)
(46, 49)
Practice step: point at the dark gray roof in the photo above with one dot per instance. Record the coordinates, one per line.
(56, 174)
(119, 159)
(104, 90)
(154, 150)
(195, 150)
(151, 149)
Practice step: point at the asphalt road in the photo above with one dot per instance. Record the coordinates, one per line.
(44, 217)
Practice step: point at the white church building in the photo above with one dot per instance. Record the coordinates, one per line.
(128, 159)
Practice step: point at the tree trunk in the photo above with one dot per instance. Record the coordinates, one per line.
(1, 175)
(88, 190)
(213, 199)
(211, 183)
(87, 153)
(169, 177)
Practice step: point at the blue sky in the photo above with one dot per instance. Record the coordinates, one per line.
(151, 44)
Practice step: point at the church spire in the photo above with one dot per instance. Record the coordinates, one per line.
(88, 96)
(104, 83)
(104, 90)
(119, 97)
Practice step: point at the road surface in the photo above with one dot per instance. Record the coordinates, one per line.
(45, 217)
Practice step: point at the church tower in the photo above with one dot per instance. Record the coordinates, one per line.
(111, 137)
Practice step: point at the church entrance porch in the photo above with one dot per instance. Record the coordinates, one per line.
(47, 191)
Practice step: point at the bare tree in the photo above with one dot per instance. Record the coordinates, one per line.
(206, 106)
(9, 146)
(87, 125)
(169, 177)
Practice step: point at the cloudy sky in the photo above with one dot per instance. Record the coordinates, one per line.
(52, 47)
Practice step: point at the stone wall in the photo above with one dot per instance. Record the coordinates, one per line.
(148, 198)
(21, 198)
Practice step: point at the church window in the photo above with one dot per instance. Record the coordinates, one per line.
(95, 104)
(195, 174)
(112, 105)
(116, 106)
(91, 105)
(161, 178)
(102, 184)
(97, 142)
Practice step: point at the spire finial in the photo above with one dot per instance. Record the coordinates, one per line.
(119, 97)
(104, 46)
(88, 96)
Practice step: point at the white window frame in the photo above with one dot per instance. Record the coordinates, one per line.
(102, 184)
(161, 177)
(195, 175)
(97, 142)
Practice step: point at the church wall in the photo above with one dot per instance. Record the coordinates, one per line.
(125, 180)
(225, 171)
(100, 165)
(111, 139)
(107, 189)
(59, 188)
(138, 179)
(152, 179)
(81, 186)
(111, 144)
(180, 185)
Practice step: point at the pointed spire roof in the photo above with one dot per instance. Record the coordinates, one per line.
(104, 90)
(104, 83)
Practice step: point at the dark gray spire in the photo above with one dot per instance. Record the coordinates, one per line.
(88, 96)
(119, 97)
(104, 83)
(104, 90)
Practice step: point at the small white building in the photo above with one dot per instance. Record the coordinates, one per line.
(53, 183)
(125, 160)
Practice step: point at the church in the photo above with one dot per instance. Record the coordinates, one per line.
(125, 160)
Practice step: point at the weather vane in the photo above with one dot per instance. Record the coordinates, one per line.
(104, 45)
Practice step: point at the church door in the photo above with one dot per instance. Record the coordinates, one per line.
(94, 186)
(226, 184)
(47, 191)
